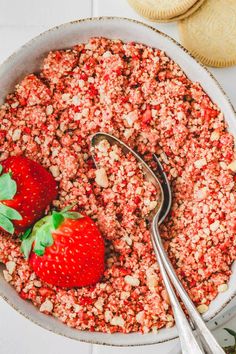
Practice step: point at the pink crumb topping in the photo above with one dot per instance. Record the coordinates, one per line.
(141, 96)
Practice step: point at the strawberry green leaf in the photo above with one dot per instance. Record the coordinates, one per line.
(231, 332)
(7, 187)
(44, 235)
(10, 213)
(72, 215)
(57, 219)
(26, 234)
(41, 235)
(0, 169)
(6, 224)
(38, 248)
(26, 246)
(39, 238)
(69, 207)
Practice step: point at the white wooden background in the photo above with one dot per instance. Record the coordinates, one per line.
(21, 20)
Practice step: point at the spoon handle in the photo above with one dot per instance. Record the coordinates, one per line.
(207, 338)
(188, 341)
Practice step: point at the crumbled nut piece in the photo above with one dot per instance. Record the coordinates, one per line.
(16, 134)
(202, 193)
(75, 100)
(128, 133)
(107, 54)
(108, 316)
(170, 324)
(223, 165)
(77, 308)
(77, 117)
(215, 136)
(131, 118)
(99, 303)
(11, 266)
(37, 283)
(165, 296)
(152, 282)
(15, 104)
(85, 112)
(200, 163)
(132, 280)
(49, 110)
(65, 97)
(215, 225)
(54, 170)
(117, 321)
(232, 166)
(114, 156)
(202, 308)
(140, 317)
(103, 146)
(154, 329)
(170, 318)
(222, 288)
(91, 79)
(152, 205)
(32, 276)
(128, 240)
(101, 178)
(124, 295)
(63, 126)
(47, 306)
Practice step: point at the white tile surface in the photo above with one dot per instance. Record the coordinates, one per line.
(226, 78)
(12, 37)
(21, 20)
(20, 336)
(121, 8)
(46, 12)
(167, 348)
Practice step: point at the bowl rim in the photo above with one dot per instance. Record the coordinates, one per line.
(176, 43)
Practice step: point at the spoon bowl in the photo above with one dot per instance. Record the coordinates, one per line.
(150, 176)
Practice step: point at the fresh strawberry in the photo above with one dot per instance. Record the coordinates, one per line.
(65, 249)
(26, 189)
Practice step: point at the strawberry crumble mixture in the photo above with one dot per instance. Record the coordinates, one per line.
(141, 96)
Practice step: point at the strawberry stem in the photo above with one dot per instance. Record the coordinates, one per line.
(41, 237)
(57, 219)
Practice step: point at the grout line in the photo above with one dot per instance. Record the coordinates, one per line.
(92, 349)
(92, 8)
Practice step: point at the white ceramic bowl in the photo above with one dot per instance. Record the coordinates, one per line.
(28, 59)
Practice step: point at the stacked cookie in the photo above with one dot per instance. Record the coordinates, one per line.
(210, 33)
(165, 10)
(207, 27)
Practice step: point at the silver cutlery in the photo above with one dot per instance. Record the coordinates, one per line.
(187, 336)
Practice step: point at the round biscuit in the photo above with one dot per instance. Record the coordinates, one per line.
(192, 9)
(210, 33)
(161, 9)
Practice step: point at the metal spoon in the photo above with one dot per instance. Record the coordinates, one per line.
(188, 341)
(208, 340)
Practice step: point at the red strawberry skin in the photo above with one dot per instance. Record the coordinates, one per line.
(76, 257)
(36, 189)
